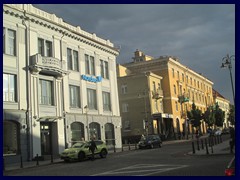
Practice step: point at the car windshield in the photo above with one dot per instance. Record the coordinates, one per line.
(78, 145)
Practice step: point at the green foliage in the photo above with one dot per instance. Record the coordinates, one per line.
(214, 115)
(231, 115)
(195, 115)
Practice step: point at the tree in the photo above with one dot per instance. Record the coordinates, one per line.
(219, 116)
(208, 116)
(214, 116)
(231, 115)
(195, 115)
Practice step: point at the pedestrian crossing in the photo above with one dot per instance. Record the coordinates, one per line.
(141, 170)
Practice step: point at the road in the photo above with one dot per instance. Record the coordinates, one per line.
(170, 160)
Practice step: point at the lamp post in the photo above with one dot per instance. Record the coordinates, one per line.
(86, 108)
(227, 63)
(145, 109)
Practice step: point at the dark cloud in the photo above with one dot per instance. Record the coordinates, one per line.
(200, 35)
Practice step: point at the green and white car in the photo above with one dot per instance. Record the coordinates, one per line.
(80, 151)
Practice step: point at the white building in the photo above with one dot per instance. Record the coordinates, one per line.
(59, 84)
(224, 105)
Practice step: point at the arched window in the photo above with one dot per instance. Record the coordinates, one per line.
(94, 130)
(10, 137)
(109, 134)
(77, 129)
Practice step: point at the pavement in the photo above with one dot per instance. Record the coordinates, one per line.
(219, 148)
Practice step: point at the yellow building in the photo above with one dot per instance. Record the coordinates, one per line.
(178, 81)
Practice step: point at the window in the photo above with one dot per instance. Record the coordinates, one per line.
(46, 92)
(124, 107)
(172, 72)
(72, 58)
(124, 89)
(92, 99)
(9, 88)
(182, 77)
(178, 74)
(104, 69)
(77, 129)
(45, 47)
(90, 65)
(10, 138)
(106, 101)
(175, 90)
(176, 103)
(9, 41)
(127, 125)
(74, 93)
(187, 79)
(154, 86)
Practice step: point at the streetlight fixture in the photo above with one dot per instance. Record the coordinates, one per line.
(227, 63)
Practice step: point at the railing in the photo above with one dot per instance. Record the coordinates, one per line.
(50, 65)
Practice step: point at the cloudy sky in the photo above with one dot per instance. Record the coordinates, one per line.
(199, 35)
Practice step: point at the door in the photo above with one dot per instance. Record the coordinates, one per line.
(46, 138)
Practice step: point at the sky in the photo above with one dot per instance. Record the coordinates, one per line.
(200, 35)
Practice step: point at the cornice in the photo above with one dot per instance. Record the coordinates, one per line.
(64, 30)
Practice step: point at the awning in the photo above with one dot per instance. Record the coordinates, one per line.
(49, 119)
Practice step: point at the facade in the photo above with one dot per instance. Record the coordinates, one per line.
(59, 85)
(140, 97)
(224, 105)
(181, 88)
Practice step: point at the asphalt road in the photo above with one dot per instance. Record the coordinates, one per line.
(170, 160)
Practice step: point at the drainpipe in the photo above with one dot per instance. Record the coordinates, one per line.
(63, 102)
(28, 84)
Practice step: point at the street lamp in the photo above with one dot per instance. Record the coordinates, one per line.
(227, 63)
(145, 109)
(86, 108)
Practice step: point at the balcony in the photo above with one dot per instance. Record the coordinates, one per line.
(157, 94)
(47, 65)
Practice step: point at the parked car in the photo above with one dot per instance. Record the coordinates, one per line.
(230, 170)
(80, 151)
(218, 132)
(150, 141)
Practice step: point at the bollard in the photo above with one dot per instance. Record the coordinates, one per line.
(202, 144)
(212, 149)
(135, 146)
(193, 148)
(215, 140)
(3, 164)
(21, 166)
(129, 148)
(114, 148)
(206, 146)
(220, 138)
(218, 141)
(51, 158)
(198, 148)
(122, 148)
(37, 160)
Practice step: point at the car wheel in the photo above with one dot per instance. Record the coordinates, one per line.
(151, 146)
(103, 153)
(81, 156)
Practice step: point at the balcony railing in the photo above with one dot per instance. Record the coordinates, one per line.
(47, 65)
(157, 94)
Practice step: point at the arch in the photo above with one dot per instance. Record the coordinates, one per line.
(77, 129)
(109, 134)
(94, 130)
(11, 137)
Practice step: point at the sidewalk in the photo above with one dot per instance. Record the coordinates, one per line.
(221, 148)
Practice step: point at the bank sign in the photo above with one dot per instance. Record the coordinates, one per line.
(92, 79)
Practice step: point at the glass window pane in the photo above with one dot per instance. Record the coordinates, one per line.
(75, 57)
